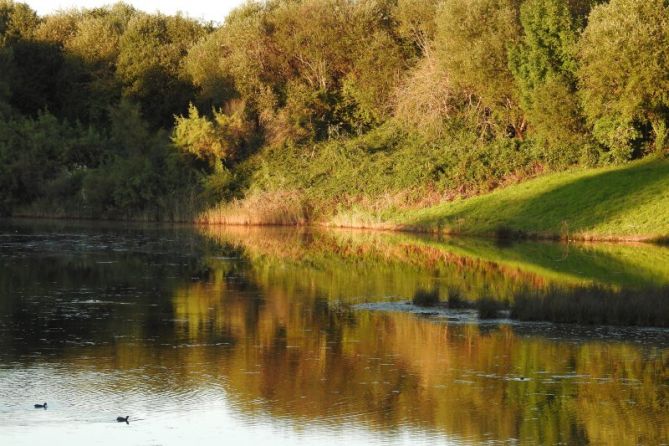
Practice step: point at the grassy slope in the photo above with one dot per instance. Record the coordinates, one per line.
(629, 202)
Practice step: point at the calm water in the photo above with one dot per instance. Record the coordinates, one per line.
(290, 337)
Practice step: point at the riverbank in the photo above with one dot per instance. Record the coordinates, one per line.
(622, 203)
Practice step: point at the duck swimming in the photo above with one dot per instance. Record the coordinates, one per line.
(40, 406)
(123, 420)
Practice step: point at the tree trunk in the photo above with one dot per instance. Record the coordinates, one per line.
(659, 125)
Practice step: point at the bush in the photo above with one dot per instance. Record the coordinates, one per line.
(489, 308)
(425, 298)
(595, 305)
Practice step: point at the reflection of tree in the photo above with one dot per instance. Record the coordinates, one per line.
(272, 330)
(297, 356)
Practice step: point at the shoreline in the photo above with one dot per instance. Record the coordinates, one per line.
(621, 204)
(515, 235)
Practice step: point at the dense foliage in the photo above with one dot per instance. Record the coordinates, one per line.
(112, 112)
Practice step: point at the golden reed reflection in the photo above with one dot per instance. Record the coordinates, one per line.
(300, 359)
(274, 327)
(300, 353)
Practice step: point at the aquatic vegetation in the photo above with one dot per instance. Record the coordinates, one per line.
(595, 305)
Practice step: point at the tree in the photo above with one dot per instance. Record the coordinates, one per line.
(416, 24)
(624, 73)
(426, 98)
(92, 53)
(36, 77)
(544, 66)
(36, 153)
(59, 28)
(215, 141)
(150, 65)
(27, 79)
(208, 67)
(6, 74)
(472, 41)
(89, 41)
(377, 65)
(17, 22)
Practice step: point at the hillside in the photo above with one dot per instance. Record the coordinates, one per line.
(629, 202)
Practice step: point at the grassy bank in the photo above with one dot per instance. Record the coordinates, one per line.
(621, 203)
(387, 179)
(629, 202)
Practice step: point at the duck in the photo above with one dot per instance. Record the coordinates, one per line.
(123, 420)
(40, 406)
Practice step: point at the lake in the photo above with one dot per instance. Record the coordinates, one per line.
(295, 336)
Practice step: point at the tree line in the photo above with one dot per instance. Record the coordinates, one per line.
(118, 113)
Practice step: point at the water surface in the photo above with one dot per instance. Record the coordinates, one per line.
(303, 337)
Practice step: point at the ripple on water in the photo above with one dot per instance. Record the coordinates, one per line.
(99, 395)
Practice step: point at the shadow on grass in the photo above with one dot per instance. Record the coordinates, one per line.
(577, 206)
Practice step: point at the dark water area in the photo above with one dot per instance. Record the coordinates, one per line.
(287, 336)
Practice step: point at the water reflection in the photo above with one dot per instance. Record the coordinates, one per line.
(241, 331)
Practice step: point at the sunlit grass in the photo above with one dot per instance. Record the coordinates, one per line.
(628, 202)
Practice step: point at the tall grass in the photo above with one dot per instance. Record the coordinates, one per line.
(595, 306)
(366, 180)
(179, 210)
(591, 305)
(264, 208)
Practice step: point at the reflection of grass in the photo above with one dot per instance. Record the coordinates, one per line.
(358, 265)
(595, 305)
(616, 264)
(580, 283)
(629, 202)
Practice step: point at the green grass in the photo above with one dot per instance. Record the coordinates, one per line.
(629, 202)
